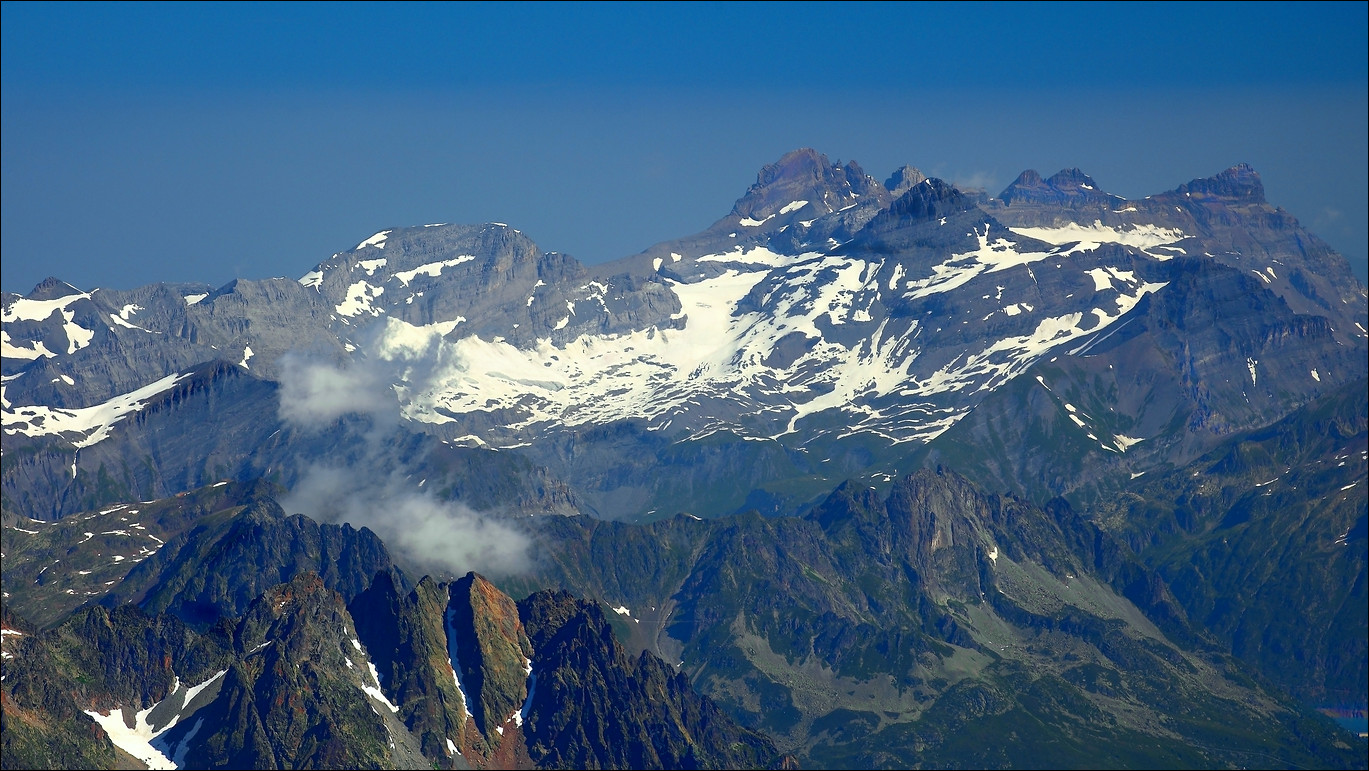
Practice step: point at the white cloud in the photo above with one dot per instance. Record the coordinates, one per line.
(314, 393)
(373, 491)
(421, 530)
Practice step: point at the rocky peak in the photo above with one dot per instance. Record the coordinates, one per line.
(848, 501)
(1240, 183)
(933, 214)
(492, 650)
(803, 163)
(302, 688)
(492, 243)
(52, 288)
(1026, 183)
(207, 573)
(1066, 179)
(902, 180)
(1061, 188)
(807, 176)
(1028, 178)
(303, 594)
(930, 199)
(930, 507)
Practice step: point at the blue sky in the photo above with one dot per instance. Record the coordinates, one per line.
(206, 142)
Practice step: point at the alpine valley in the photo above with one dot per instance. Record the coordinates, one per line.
(865, 474)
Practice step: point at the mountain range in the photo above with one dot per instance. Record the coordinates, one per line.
(863, 474)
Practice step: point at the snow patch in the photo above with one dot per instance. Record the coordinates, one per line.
(24, 309)
(122, 322)
(991, 257)
(178, 757)
(9, 350)
(433, 269)
(450, 627)
(376, 240)
(136, 741)
(375, 692)
(360, 295)
(1142, 237)
(92, 423)
(895, 275)
(191, 693)
(1124, 443)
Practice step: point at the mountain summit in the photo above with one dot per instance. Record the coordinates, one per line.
(1238, 184)
(874, 467)
(805, 182)
(823, 328)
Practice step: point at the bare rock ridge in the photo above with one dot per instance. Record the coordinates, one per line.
(301, 676)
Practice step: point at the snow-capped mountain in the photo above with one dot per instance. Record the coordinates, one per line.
(829, 325)
(1187, 370)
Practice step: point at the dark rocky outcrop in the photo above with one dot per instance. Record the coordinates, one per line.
(631, 712)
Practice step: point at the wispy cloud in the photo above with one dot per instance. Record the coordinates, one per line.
(428, 533)
(987, 181)
(315, 392)
(377, 490)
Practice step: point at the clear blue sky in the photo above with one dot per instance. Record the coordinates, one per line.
(205, 142)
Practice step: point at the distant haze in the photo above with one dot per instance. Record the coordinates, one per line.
(146, 143)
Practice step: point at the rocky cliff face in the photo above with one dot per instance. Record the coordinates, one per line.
(880, 630)
(301, 692)
(581, 661)
(1168, 378)
(829, 326)
(41, 723)
(492, 652)
(412, 643)
(1226, 214)
(324, 670)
